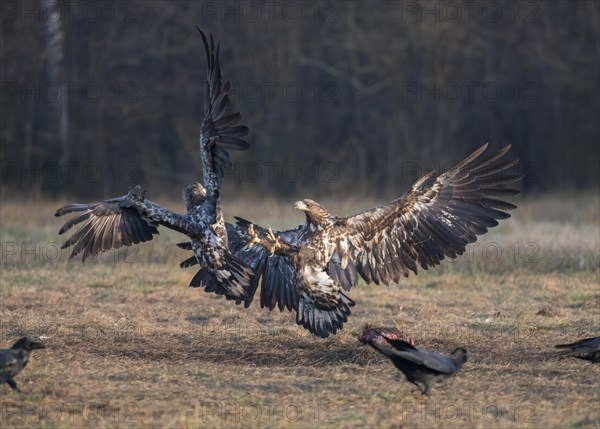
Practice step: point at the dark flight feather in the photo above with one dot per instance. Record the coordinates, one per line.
(436, 219)
(220, 130)
(132, 219)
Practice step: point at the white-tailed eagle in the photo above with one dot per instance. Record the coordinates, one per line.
(309, 269)
(132, 219)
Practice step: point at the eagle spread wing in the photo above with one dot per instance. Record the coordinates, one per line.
(132, 219)
(436, 218)
(275, 273)
(276, 277)
(220, 131)
(231, 277)
(320, 305)
(118, 222)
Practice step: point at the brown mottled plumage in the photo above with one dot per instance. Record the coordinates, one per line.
(132, 219)
(315, 263)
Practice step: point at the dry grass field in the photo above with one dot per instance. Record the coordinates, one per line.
(130, 345)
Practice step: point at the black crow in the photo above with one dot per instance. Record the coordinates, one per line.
(420, 367)
(588, 349)
(391, 335)
(13, 360)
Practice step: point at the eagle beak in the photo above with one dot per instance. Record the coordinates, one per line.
(35, 345)
(300, 205)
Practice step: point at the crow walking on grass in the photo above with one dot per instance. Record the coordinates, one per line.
(587, 349)
(420, 367)
(13, 360)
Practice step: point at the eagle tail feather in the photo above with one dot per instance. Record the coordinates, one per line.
(233, 283)
(186, 245)
(321, 321)
(189, 262)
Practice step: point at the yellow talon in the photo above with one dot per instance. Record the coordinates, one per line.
(255, 238)
(272, 235)
(276, 244)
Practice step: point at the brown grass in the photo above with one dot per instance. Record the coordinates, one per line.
(131, 346)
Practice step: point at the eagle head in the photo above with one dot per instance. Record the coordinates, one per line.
(193, 195)
(314, 211)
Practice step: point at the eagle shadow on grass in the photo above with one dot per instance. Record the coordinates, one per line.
(286, 349)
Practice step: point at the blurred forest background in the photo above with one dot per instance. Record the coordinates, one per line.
(339, 95)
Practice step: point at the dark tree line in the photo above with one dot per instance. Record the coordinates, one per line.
(339, 96)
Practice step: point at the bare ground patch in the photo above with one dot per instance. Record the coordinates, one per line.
(129, 345)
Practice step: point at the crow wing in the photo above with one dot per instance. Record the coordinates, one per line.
(118, 222)
(436, 218)
(587, 348)
(588, 345)
(399, 344)
(220, 131)
(9, 364)
(406, 351)
(433, 361)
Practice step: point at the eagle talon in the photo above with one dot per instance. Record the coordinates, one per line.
(254, 238)
(276, 244)
(272, 235)
(274, 247)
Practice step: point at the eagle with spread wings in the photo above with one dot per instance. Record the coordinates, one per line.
(133, 219)
(309, 269)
